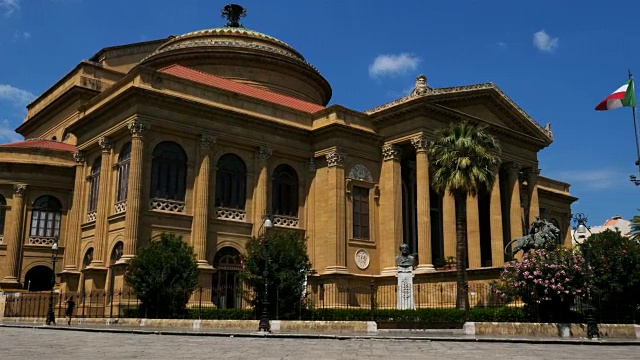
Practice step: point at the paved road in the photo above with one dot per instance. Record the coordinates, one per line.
(18, 343)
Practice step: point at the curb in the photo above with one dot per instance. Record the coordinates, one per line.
(580, 341)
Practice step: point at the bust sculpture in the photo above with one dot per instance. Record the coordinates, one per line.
(404, 259)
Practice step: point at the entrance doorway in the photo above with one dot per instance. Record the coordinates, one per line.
(227, 288)
(38, 279)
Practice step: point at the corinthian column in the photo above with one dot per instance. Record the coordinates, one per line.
(390, 207)
(532, 187)
(424, 205)
(14, 237)
(134, 190)
(263, 153)
(335, 228)
(473, 233)
(515, 209)
(495, 213)
(75, 215)
(101, 234)
(201, 211)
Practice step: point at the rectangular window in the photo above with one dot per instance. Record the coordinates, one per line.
(360, 197)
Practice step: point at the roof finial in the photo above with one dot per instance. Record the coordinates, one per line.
(421, 87)
(233, 13)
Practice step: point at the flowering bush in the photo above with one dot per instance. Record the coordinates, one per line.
(547, 279)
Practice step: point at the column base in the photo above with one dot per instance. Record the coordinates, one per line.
(424, 268)
(125, 259)
(336, 270)
(393, 270)
(204, 265)
(10, 282)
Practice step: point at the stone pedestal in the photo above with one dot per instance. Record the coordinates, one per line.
(405, 288)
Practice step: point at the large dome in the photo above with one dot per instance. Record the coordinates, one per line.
(248, 56)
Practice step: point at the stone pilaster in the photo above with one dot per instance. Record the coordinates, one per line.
(335, 228)
(425, 256)
(515, 208)
(14, 237)
(263, 153)
(495, 213)
(310, 208)
(449, 224)
(75, 216)
(473, 233)
(134, 189)
(200, 228)
(101, 233)
(390, 207)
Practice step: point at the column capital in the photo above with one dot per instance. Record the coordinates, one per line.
(263, 153)
(420, 142)
(105, 144)
(206, 141)
(512, 168)
(19, 189)
(80, 157)
(391, 152)
(137, 127)
(335, 158)
(311, 165)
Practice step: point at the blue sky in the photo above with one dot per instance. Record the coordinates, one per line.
(555, 59)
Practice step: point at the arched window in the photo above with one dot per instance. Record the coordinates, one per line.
(116, 253)
(123, 173)
(3, 214)
(168, 172)
(94, 184)
(226, 286)
(88, 258)
(231, 182)
(285, 191)
(45, 217)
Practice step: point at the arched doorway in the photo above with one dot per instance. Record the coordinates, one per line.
(38, 278)
(226, 286)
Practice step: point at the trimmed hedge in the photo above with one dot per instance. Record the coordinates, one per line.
(499, 314)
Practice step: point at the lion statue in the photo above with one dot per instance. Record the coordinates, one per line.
(542, 232)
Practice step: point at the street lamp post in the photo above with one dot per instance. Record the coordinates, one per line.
(51, 317)
(580, 236)
(264, 325)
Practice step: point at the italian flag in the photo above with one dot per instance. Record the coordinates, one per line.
(624, 96)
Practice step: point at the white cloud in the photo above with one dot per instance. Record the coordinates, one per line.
(392, 65)
(502, 44)
(594, 179)
(545, 43)
(7, 134)
(14, 95)
(17, 35)
(9, 6)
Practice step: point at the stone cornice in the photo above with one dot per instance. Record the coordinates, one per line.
(461, 92)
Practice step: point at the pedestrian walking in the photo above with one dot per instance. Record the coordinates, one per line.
(70, 307)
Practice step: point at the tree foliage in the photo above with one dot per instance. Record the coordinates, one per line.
(548, 279)
(635, 228)
(288, 269)
(614, 265)
(163, 275)
(463, 157)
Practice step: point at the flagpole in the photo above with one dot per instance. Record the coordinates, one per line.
(635, 129)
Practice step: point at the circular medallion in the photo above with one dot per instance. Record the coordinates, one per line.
(362, 259)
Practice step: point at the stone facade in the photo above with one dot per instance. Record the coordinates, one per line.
(203, 134)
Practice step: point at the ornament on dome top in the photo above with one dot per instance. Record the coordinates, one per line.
(233, 13)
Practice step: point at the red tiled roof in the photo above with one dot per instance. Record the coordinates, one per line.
(611, 222)
(240, 88)
(41, 144)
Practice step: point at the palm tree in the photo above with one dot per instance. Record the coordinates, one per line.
(635, 227)
(463, 156)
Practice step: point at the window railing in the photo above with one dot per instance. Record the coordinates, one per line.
(1, 238)
(167, 205)
(91, 216)
(230, 214)
(121, 206)
(41, 240)
(285, 221)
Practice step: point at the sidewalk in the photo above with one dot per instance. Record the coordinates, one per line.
(410, 335)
